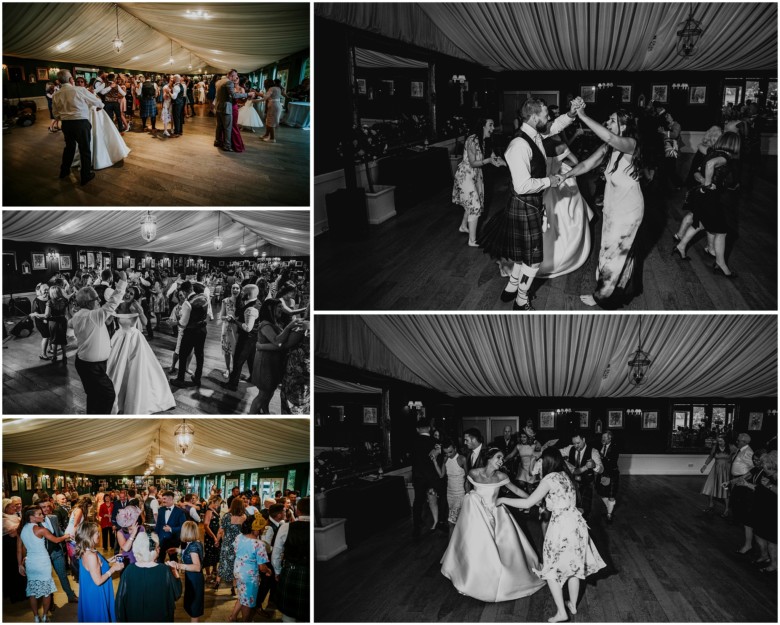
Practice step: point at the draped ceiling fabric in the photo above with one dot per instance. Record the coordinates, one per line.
(329, 385)
(244, 36)
(560, 355)
(281, 233)
(637, 36)
(122, 446)
(371, 59)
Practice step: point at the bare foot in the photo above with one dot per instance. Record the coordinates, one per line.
(558, 618)
(588, 300)
(571, 607)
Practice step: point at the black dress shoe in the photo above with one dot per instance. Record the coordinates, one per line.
(217, 144)
(87, 178)
(180, 383)
(527, 306)
(508, 296)
(227, 149)
(196, 381)
(65, 175)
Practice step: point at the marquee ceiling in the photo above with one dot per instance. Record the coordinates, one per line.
(244, 36)
(121, 446)
(280, 232)
(527, 36)
(560, 355)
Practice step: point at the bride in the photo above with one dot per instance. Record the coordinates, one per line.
(139, 381)
(489, 557)
(108, 146)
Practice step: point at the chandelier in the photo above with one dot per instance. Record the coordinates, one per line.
(256, 251)
(159, 461)
(688, 36)
(218, 239)
(639, 363)
(148, 228)
(170, 60)
(117, 42)
(189, 67)
(242, 247)
(184, 436)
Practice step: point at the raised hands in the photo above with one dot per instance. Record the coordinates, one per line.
(577, 104)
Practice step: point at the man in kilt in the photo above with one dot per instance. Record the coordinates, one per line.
(147, 92)
(290, 559)
(517, 233)
(608, 482)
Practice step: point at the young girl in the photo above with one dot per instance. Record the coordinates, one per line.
(57, 313)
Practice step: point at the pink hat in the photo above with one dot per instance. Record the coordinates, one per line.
(127, 517)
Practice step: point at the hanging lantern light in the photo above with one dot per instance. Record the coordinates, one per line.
(170, 60)
(159, 461)
(688, 35)
(256, 251)
(117, 41)
(148, 228)
(639, 363)
(218, 239)
(242, 247)
(185, 438)
(189, 67)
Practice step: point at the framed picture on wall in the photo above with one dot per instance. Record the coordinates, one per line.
(43, 73)
(107, 261)
(39, 262)
(614, 419)
(388, 86)
(755, 421)
(584, 416)
(361, 86)
(660, 93)
(14, 482)
(28, 483)
(369, 415)
(32, 79)
(697, 95)
(547, 419)
(132, 263)
(417, 89)
(588, 93)
(26, 270)
(90, 259)
(119, 262)
(82, 261)
(625, 93)
(650, 420)
(65, 262)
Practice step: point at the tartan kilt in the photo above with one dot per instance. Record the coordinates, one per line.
(148, 107)
(292, 591)
(609, 491)
(516, 233)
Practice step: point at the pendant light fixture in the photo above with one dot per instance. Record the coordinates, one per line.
(218, 239)
(189, 67)
(639, 363)
(159, 461)
(148, 228)
(184, 437)
(256, 251)
(688, 36)
(170, 60)
(242, 247)
(117, 41)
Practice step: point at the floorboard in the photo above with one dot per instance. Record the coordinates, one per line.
(668, 561)
(187, 171)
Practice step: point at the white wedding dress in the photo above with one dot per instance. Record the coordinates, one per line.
(248, 117)
(108, 146)
(140, 383)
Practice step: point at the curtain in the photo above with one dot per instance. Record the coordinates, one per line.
(561, 355)
(372, 59)
(117, 446)
(237, 35)
(329, 385)
(280, 233)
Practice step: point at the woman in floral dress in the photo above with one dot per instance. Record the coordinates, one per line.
(295, 394)
(251, 558)
(230, 528)
(568, 554)
(468, 190)
(227, 314)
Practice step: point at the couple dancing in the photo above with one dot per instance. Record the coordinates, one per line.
(490, 558)
(520, 238)
(120, 373)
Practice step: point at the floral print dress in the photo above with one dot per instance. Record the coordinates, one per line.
(468, 190)
(227, 556)
(568, 550)
(295, 394)
(250, 554)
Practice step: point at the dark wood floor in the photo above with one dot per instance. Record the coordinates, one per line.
(419, 261)
(668, 561)
(188, 171)
(34, 386)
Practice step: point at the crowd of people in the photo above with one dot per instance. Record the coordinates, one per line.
(544, 230)
(162, 545)
(263, 311)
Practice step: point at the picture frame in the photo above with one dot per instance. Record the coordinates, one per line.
(660, 93)
(625, 93)
(26, 270)
(132, 263)
(38, 261)
(31, 79)
(14, 483)
(614, 419)
(107, 261)
(388, 86)
(42, 72)
(546, 419)
(119, 262)
(598, 427)
(588, 93)
(370, 415)
(697, 94)
(755, 421)
(650, 420)
(361, 86)
(28, 484)
(66, 262)
(584, 416)
(82, 261)
(90, 259)
(417, 89)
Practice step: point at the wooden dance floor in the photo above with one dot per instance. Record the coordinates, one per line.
(34, 386)
(188, 171)
(419, 261)
(667, 560)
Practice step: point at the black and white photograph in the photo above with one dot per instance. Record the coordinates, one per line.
(474, 513)
(156, 520)
(566, 156)
(156, 104)
(220, 326)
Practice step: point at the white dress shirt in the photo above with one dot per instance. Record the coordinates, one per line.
(268, 535)
(73, 103)
(100, 87)
(595, 456)
(179, 86)
(475, 455)
(518, 157)
(281, 538)
(743, 461)
(94, 343)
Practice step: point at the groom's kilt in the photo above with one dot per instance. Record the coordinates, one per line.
(516, 233)
(292, 591)
(609, 490)
(148, 107)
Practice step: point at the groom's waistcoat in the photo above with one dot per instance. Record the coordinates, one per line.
(538, 160)
(587, 454)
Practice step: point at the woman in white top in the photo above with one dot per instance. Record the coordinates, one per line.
(167, 117)
(455, 470)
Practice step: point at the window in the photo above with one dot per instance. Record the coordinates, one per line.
(696, 424)
(751, 90)
(732, 95)
(305, 70)
(771, 96)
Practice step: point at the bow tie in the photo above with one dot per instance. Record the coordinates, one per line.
(169, 509)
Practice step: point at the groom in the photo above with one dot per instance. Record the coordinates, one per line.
(525, 216)
(223, 105)
(94, 344)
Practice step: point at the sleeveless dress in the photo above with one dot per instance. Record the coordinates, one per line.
(273, 107)
(108, 146)
(58, 322)
(248, 117)
(39, 306)
(718, 475)
(624, 207)
(268, 366)
(212, 551)
(37, 565)
(568, 550)
(711, 208)
(455, 488)
(229, 330)
(526, 453)
(96, 603)
(489, 557)
(468, 190)
(194, 585)
(139, 380)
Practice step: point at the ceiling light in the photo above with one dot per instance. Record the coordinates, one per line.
(148, 228)
(639, 363)
(184, 437)
(117, 41)
(222, 452)
(63, 45)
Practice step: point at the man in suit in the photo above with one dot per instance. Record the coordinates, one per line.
(607, 484)
(424, 475)
(170, 518)
(585, 462)
(506, 444)
(223, 105)
(476, 455)
(57, 550)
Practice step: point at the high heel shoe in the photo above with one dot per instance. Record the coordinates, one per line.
(473, 243)
(682, 256)
(463, 230)
(717, 270)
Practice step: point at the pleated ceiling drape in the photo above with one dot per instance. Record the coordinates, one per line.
(329, 385)
(560, 355)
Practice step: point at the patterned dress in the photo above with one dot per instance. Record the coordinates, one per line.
(295, 393)
(229, 330)
(250, 554)
(212, 551)
(719, 474)
(468, 190)
(456, 488)
(568, 550)
(227, 557)
(37, 564)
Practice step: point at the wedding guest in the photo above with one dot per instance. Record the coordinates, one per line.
(38, 315)
(743, 490)
(51, 89)
(236, 141)
(113, 93)
(719, 475)
(765, 513)
(14, 583)
(227, 315)
(291, 565)
(129, 531)
(275, 519)
(147, 92)
(210, 531)
(179, 101)
(57, 313)
(608, 482)
(104, 520)
(251, 562)
(192, 324)
(191, 564)
(273, 108)
(223, 105)
(230, 527)
(95, 587)
(673, 143)
(56, 551)
(94, 345)
(455, 471)
(585, 466)
(167, 107)
(294, 393)
(170, 520)
(247, 312)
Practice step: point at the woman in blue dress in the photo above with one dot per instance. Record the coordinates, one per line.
(191, 564)
(251, 559)
(96, 592)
